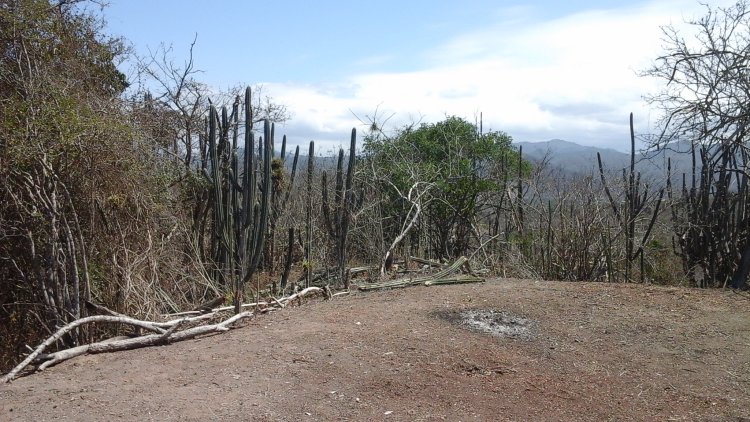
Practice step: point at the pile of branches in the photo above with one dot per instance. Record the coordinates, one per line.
(204, 320)
(176, 327)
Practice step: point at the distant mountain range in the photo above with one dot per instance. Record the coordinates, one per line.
(575, 160)
(578, 159)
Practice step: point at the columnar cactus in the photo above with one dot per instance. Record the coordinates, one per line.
(240, 210)
(279, 200)
(636, 199)
(337, 215)
(308, 217)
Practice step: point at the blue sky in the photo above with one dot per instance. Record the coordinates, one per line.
(535, 69)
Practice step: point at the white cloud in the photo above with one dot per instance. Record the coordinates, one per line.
(572, 78)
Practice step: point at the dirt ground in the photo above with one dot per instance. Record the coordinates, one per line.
(593, 352)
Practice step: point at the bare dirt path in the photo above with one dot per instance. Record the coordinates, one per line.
(596, 352)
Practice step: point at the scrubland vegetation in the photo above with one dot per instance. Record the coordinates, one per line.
(157, 201)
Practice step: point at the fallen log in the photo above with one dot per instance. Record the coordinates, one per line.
(300, 294)
(406, 282)
(109, 346)
(391, 284)
(159, 328)
(165, 332)
(454, 280)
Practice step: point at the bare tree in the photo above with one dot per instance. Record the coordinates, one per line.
(415, 197)
(184, 101)
(175, 116)
(706, 102)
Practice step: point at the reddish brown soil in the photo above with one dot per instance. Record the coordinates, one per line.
(600, 352)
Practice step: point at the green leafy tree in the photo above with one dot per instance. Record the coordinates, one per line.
(458, 164)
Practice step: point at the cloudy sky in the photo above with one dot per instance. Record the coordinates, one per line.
(537, 70)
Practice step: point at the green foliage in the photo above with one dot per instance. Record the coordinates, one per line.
(464, 166)
(64, 38)
(278, 175)
(77, 183)
(58, 81)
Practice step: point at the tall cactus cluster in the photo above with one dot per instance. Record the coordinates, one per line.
(308, 215)
(636, 200)
(281, 192)
(711, 216)
(249, 194)
(337, 215)
(240, 198)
